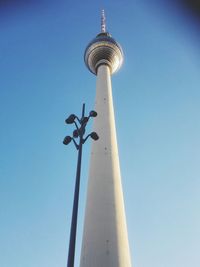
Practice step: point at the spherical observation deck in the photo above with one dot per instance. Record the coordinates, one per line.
(103, 50)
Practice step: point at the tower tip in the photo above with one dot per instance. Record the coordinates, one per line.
(103, 21)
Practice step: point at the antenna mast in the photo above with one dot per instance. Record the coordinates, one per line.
(103, 21)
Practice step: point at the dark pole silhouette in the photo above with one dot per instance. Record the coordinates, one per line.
(79, 132)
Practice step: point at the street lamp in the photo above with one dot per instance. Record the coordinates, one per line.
(79, 132)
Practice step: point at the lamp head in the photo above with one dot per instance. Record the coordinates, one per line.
(94, 136)
(70, 119)
(75, 133)
(93, 113)
(67, 140)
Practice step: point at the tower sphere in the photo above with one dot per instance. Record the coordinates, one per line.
(103, 50)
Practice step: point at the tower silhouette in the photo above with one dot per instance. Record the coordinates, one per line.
(105, 238)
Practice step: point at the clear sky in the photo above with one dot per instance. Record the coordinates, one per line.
(157, 105)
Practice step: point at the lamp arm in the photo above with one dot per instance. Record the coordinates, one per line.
(85, 139)
(76, 125)
(78, 120)
(76, 145)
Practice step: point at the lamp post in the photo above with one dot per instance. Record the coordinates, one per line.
(79, 132)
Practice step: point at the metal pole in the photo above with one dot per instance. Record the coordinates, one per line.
(72, 243)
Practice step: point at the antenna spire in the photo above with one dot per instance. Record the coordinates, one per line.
(103, 21)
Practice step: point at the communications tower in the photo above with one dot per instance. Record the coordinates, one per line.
(105, 239)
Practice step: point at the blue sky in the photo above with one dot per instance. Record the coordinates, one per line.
(156, 94)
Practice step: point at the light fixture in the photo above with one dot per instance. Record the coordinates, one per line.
(93, 113)
(75, 133)
(70, 119)
(94, 136)
(79, 132)
(67, 140)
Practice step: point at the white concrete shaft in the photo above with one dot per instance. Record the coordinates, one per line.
(105, 238)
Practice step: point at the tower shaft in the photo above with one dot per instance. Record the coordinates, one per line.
(105, 238)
